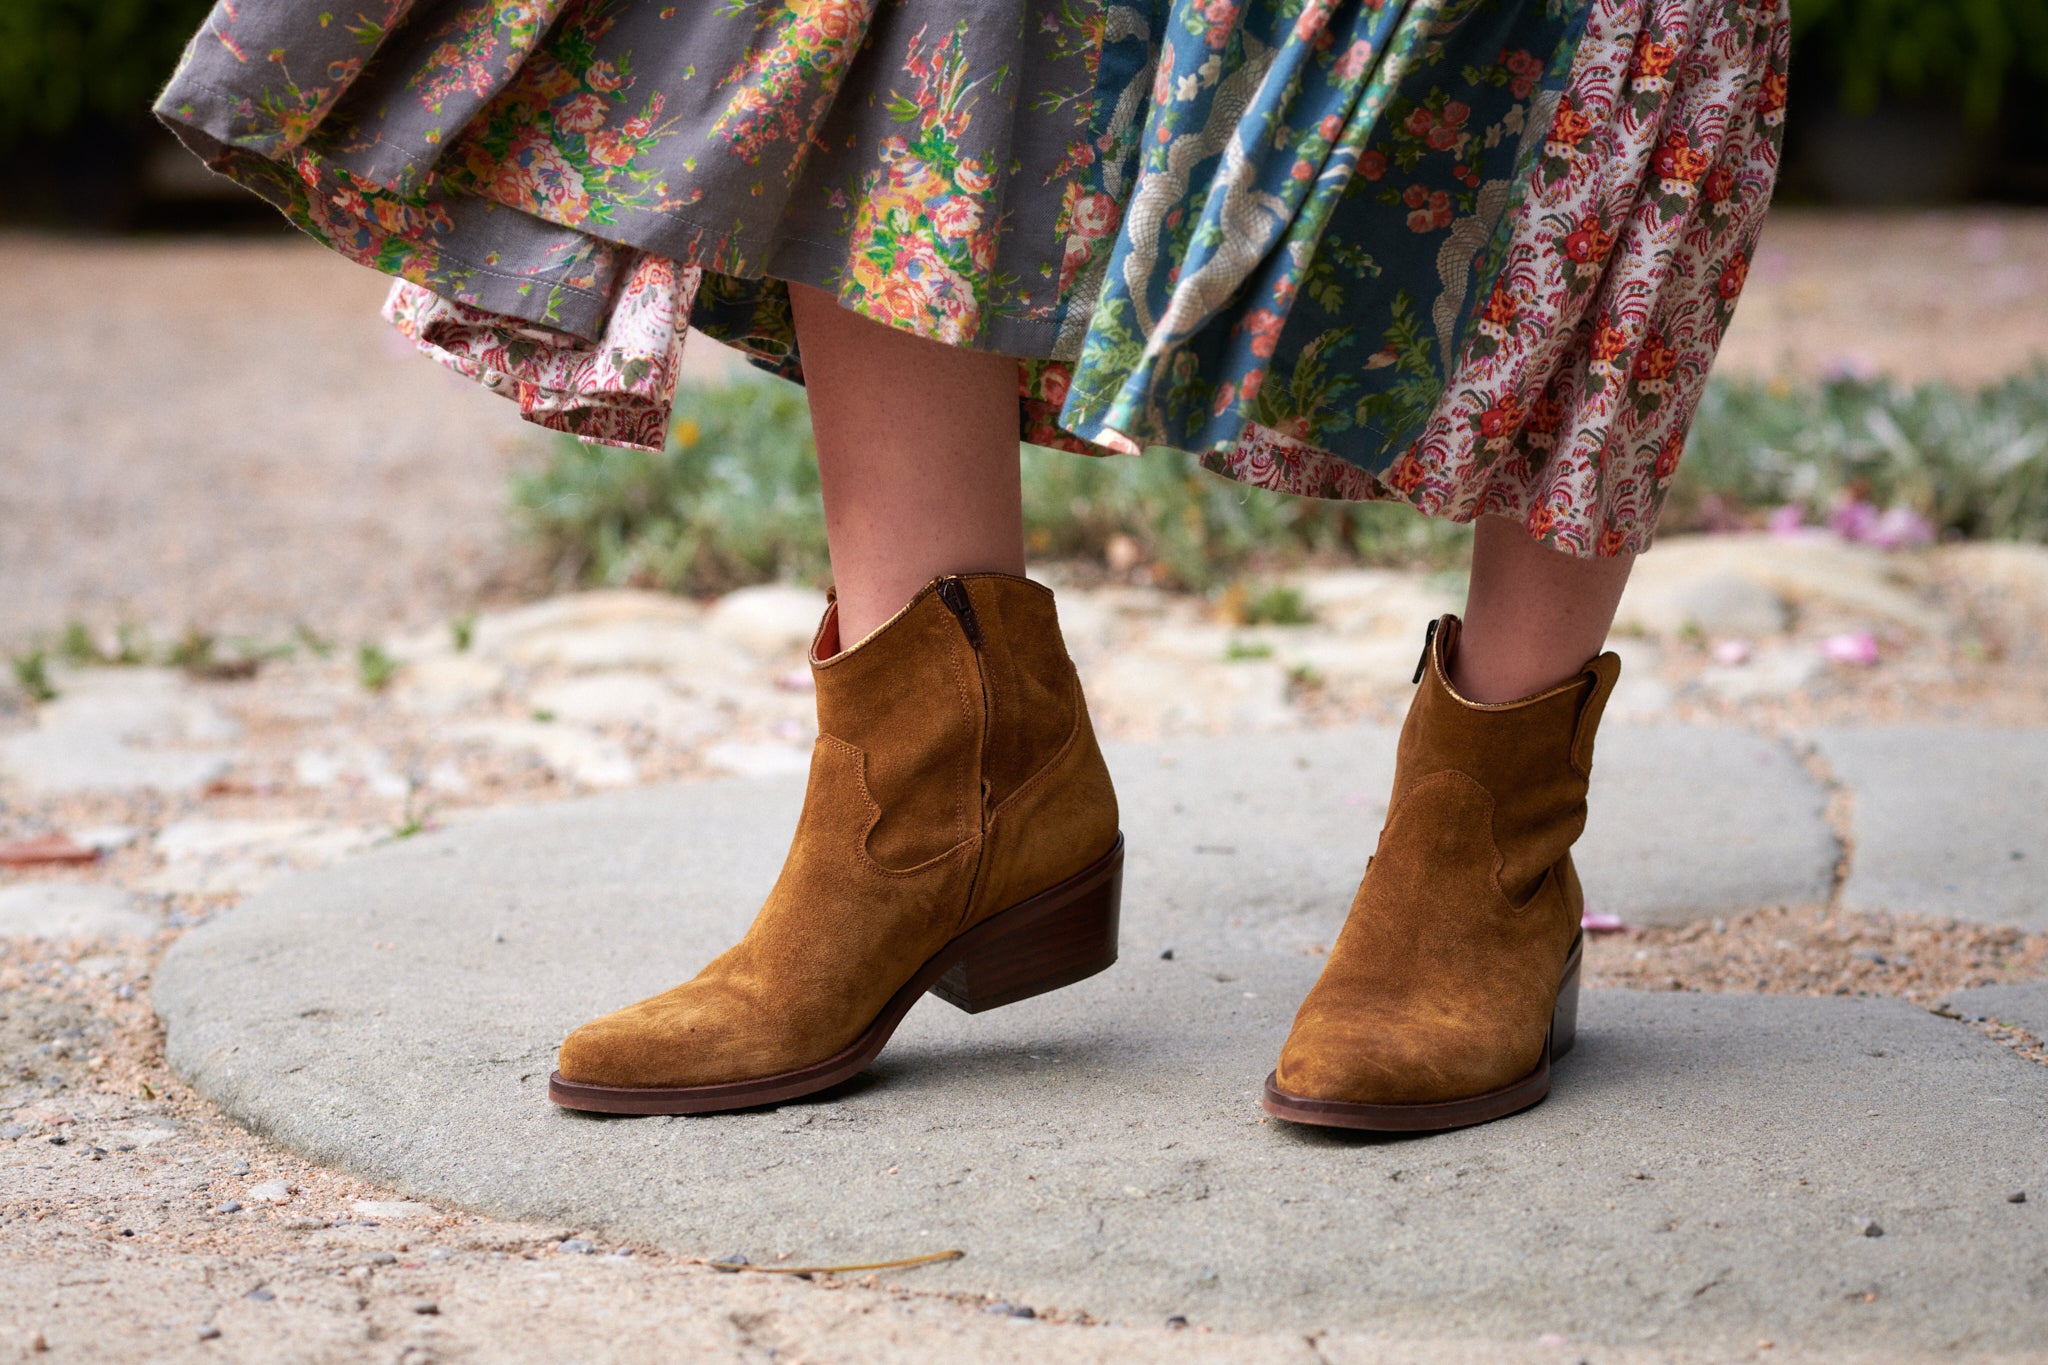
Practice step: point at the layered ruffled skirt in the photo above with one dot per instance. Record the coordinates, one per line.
(1475, 255)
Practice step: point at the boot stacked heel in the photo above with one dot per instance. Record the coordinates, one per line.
(1564, 1015)
(1054, 939)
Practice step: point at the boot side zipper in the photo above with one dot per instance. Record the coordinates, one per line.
(954, 594)
(1428, 639)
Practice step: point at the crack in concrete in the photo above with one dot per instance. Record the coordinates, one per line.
(2012, 1037)
(1839, 811)
(1838, 807)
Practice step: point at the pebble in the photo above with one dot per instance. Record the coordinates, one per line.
(229, 1206)
(270, 1192)
(426, 1307)
(259, 1295)
(604, 629)
(362, 764)
(241, 1167)
(209, 1333)
(628, 699)
(101, 732)
(1247, 696)
(234, 856)
(439, 687)
(1867, 1227)
(1176, 1322)
(575, 1246)
(391, 1208)
(108, 838)
(2016, 1197)
(730, 1262)
(1717, 603)
(70, 910)
(770, 619)
(12, 1131)
(1776, 672)
(573, 752)
(382, 1258)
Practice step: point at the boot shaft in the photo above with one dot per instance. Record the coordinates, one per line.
(1533, 756)
(961, 704)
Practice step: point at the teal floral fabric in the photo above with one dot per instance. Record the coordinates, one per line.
(1471, 254)
(1245, 182)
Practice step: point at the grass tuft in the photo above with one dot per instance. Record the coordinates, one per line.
(374, 668)
(32, 675)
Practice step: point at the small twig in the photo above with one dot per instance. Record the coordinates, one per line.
(731, 1267)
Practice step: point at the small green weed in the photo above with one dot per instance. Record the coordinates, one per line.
(193, 652)
(131, 646)
(1238, 650)
(77, 647)
(374, 668)
(318, 645)
(32, 675)
(462, 632)
(1278, 604)
(414, 818)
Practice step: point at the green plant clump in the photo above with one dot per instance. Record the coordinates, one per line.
(32, 675)
(374, 668)
(734, 498)
(732, 501)
(1200, 531)
(1973, 462)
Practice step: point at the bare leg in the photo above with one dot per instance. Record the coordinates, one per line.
(1533, 615)
(917, 454)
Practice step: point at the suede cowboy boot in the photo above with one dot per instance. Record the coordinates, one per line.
(959, 836)
(1455, 982)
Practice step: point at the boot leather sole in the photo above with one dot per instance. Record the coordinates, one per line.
(1439, 1115)
(1059, 936)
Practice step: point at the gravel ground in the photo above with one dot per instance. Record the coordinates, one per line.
(277, 497)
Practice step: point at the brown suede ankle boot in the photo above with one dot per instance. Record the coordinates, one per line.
(959, 836)
(1454, 984)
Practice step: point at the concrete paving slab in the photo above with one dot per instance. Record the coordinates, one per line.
(1698, 1175)
(1948, 820)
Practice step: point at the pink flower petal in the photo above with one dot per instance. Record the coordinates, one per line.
(1595, 923)
(1788, 520)
(1855, 647)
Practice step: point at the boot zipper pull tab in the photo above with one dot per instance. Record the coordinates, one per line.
(954, 594)
(1428, 639)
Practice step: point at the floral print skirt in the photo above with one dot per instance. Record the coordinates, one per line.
(1475, 255)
